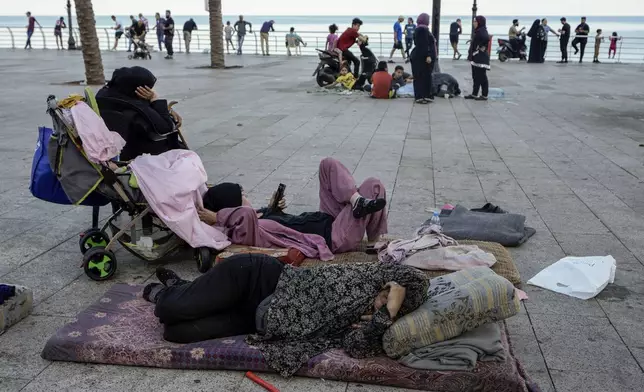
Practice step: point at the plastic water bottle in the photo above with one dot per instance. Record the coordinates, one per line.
(435, 220)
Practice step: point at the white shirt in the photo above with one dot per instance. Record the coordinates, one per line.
(119, 26)
(229, 31)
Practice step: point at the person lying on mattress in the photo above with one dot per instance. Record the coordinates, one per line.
(346, 211)
(293, 313)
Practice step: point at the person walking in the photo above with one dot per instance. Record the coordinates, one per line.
(58, 32)
(410, 28)
(564, 37)
(160, 22)
(581, 38)
(118, 31)
(240, 28)
(228, 31)
(398, 35)
(480, 59)
(423, 58)
(263, 34)
(168, 32)
(145, 22)
(546, 30)
(31, 26)
(131, 33)
(455, 29)
(188, 27)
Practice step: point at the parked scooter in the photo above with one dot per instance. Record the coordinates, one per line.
(328, 68)
(509, 51)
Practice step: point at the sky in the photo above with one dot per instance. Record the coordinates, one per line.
(338, 7)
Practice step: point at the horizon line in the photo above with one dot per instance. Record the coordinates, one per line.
(203, 13)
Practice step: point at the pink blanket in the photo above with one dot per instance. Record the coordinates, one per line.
(173, 183)
(243, 228)
(100, 144)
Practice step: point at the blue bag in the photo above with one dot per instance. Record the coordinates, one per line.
(44, 183)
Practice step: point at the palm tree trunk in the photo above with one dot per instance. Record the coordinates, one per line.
(216, 36)
(94, 73)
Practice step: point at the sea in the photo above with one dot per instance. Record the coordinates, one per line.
(626, 26)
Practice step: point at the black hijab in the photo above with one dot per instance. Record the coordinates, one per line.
(126, 80)
(224, 195)
(533, 30)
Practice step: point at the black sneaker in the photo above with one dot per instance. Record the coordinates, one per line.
(366, 207)
(469, 97)
(481, 98)
(151, 291)
(168, 277)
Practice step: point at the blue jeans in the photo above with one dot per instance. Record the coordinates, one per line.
(240, 43)
(160, 38)
(29, 34)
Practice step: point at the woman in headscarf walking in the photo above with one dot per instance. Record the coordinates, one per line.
(479, 59)
(423, 57)
(537, 42)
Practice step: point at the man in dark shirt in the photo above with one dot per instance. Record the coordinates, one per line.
(32, 22)
(240, 28)
(130, 32)
(346, 41)
(455, 29)
(168, 31)
(187, 32)
(582, 32)
(563, 41)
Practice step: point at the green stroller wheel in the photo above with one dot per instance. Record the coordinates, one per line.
(99, 264)
(203, 256)
(93, 238)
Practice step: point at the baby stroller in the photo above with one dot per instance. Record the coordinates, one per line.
(143, 234)
(141, 50)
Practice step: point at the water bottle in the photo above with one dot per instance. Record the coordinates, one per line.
(436, 220)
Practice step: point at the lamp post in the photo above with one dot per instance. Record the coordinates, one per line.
(436, 28)
(71, 43)
(474, 9)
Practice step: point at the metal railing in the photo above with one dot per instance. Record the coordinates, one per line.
(629, 49)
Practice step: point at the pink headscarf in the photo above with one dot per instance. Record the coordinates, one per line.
(423, 20)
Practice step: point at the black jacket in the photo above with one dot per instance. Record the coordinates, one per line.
(318, 223)
(481, 40)
(424, 45)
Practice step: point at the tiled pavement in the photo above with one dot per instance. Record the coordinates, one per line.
(561, 148)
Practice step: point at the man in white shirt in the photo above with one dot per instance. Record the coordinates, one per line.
(118, 27)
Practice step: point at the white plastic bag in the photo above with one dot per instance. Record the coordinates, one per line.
(579, 277)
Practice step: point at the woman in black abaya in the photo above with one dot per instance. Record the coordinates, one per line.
(537, 38)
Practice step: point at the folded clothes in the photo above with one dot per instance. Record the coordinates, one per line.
(506, 229)
(6, 292)
(427, 237)
(459, 353)
(451, 258)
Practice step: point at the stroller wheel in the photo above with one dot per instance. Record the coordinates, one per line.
(130, 57)
(203, 256)
(99, 264)
(93, 238)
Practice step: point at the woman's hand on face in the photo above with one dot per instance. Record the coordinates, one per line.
(395, 298)
(207, 216)
(145, 92)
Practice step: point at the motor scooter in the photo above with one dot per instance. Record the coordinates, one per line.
(512, 49)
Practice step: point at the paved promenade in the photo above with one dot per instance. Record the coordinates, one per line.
(561, 148)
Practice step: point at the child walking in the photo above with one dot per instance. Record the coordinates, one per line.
(599, 38)
(613, 44)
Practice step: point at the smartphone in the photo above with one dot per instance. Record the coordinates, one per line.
(279, 195)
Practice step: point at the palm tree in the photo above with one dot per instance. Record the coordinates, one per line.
(216, 37)
(94, 73)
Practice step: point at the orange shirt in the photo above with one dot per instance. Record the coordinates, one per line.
(381, 84)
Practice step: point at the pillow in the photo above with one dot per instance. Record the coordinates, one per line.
(458, 302)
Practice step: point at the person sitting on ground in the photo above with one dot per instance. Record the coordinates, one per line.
(400, 77)
(294, 313)
(131, 107)
(346, 211)
(345, 80)
(382, 83)
(331, 41)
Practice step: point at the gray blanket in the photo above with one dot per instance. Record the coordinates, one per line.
(459, 353)
(506, 229)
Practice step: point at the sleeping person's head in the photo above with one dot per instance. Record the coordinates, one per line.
(127, 79)
(224, 195)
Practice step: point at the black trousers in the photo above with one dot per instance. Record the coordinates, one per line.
(582, 46)
(563, 45)
(168, 44)
(422, 73)
(221, 302)
(479, 75)
(349, 56)
(408, 44)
